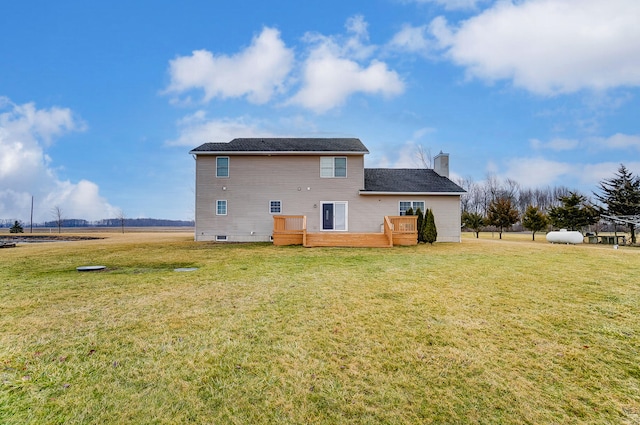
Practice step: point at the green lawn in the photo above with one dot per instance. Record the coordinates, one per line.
(485, 331)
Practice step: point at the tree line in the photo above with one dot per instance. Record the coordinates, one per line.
(60, 222)
(503, 204)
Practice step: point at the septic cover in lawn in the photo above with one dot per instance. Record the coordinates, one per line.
(90, 268)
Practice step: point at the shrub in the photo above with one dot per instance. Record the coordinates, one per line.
(430, 232)
(16, 228)
(420, 225)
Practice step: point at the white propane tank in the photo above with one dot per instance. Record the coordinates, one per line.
(565, 236)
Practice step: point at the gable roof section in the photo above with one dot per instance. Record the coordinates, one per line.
(407, 181)
(290, 146)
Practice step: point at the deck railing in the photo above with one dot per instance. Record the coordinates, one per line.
(289, 229)
(292, 230)
(293, 224)
(388, 229)
(405, 229)
(404, 223)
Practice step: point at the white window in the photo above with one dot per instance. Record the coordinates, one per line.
(221, 207)
(222, 166)
(221, 237)
(414, 205)
(334, 215)
(333, 166)
(275, 207)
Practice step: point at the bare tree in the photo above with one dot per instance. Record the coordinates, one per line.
(511, 189)
(466, 199)
(559, 192)
(58, 217)
(477, 197)
(542, 198)
(121, 217)
(424, 158)
(525, 199)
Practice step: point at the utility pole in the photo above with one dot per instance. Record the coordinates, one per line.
(31, 213)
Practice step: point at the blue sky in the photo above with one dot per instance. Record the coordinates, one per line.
(100, 102)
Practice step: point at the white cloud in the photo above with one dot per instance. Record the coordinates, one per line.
(593, 174)
(334, 68)
(78, 200)
(357, 45)
(557, 144)
(25, 168)
(451, 4)
(618, 141)
(537, 172)
(330, 80)
(197, 128)
(333, 71)
(412, 154)
(549, 46)
(411, 39)
(407, 156)
(540, 172)
(443, 34)
(257, 72)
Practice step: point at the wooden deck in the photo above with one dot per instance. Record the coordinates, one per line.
(292, 230)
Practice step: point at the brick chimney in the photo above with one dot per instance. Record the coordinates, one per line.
(441, 164)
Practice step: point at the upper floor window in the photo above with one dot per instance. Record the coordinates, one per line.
(222, 166)
(333, 166)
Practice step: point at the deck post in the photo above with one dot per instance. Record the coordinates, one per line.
(304, 230)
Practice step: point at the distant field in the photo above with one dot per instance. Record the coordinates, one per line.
(486, 331)
(80, 230)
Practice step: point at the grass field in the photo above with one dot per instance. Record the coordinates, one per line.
(485, 331)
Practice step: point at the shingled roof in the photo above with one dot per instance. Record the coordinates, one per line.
(284, 145)
(407, 180)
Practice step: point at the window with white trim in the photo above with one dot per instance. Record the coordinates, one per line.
(222, 166)
(331, 167)
(275, 207)
(414, 205)
(221, 207)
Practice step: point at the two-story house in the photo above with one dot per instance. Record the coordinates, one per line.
(241, 185)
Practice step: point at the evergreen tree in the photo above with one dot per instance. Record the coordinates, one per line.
(16, 228)
(430, 232)
(621, 195)
(534, 220)
(473, 221)
(502, 214)
(420, 224)
(409, 211)
(574, 213)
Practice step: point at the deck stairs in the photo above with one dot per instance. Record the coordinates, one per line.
(357, 240)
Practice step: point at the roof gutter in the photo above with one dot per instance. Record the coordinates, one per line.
(271, 153)
(374, 193)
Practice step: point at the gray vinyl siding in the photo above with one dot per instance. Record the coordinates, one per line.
(255, 180)
(295, 180)
(446, 212)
